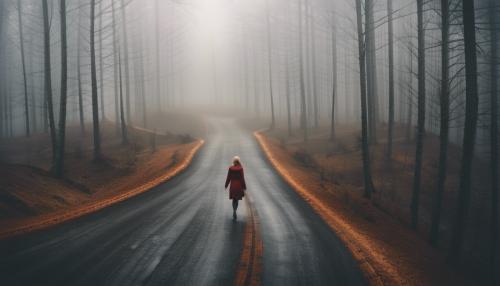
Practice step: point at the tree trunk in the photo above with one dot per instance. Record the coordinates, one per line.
(157, 47)
(126, 61)
(48, 80)
(391, 80)
(115, 66)
(122, 116)
(444, 122)
(288, 106)
(371, 77)
(494, 140)
(314, 84)
(59, 166)
(364, 118)
(421, 116)
(269, 55)
(101, 64)
(23, 62)
(471, 114)
(93, 74)
(303, 115)
(79, 74)
(334, 87)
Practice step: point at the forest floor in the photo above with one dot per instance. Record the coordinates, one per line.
(29, 192)
(329, 176)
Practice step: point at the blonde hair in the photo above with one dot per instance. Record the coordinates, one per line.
(236, 161)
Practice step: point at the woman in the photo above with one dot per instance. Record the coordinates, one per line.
(236, 178)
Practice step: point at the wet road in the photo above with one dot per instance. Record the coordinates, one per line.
(182, 233)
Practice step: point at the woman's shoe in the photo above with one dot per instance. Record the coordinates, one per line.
(234, 215)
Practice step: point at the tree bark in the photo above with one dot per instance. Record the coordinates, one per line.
(93, 75)
(79, 74)
(269, 55)
(48, 80)
(303, 115)
(157, 49)
(421, 116)
(23, 63)
(101, 64)
(334, 87)
(391, 80)
(364, 118)
(471, 114)
(314, 84)
(125, 59)
(122, 116)
(115, 66)
(444, 122)
(59, 167)
(494, 140)
(371, 77)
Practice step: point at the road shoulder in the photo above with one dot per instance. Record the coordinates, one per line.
(386, 252)
(132, 185)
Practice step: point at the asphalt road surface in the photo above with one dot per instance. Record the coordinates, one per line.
(182, 232)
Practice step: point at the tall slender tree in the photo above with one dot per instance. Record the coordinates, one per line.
(371, 70)
(122, 116)
(101, 61)
(23, 63)
(390, 32)
(303, 111)
(334, 81)
(367, 177)
(270, 63)
(469, 135)
(93, 75)
(79, 72)
(157, 50)
(444, 122)
(494, 139)
(421, 115)
(126, 59)
(48, 80)
(115, 64)
(59, 166)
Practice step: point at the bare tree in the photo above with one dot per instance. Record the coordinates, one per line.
(444, 122)
(101, 64)
(469, 137)
(334, 81)
(494, 138)
(391, 79)
(93, 75)
(270, 63)
(48, 80)
(59, 166)
(303, 115)
(23, 63)
(364, 118)
(79, 73)
(421, 115)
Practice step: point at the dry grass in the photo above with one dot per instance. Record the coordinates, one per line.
(331, 174)
(28, 190)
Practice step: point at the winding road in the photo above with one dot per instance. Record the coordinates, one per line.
(182, 232)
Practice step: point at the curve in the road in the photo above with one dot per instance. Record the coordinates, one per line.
(182, 233)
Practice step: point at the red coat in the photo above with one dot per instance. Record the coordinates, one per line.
(236, 177)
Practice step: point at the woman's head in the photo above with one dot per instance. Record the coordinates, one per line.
(236, 161)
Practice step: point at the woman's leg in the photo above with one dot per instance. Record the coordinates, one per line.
(235, 207)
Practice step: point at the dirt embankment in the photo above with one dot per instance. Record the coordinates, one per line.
(328, 176)
(31, 197)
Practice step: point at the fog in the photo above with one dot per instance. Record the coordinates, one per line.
(231, 54)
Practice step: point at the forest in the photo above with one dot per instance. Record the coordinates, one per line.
(394, 100)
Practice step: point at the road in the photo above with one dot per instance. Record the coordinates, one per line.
(182, 232)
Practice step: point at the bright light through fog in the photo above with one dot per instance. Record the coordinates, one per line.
(211, 15)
